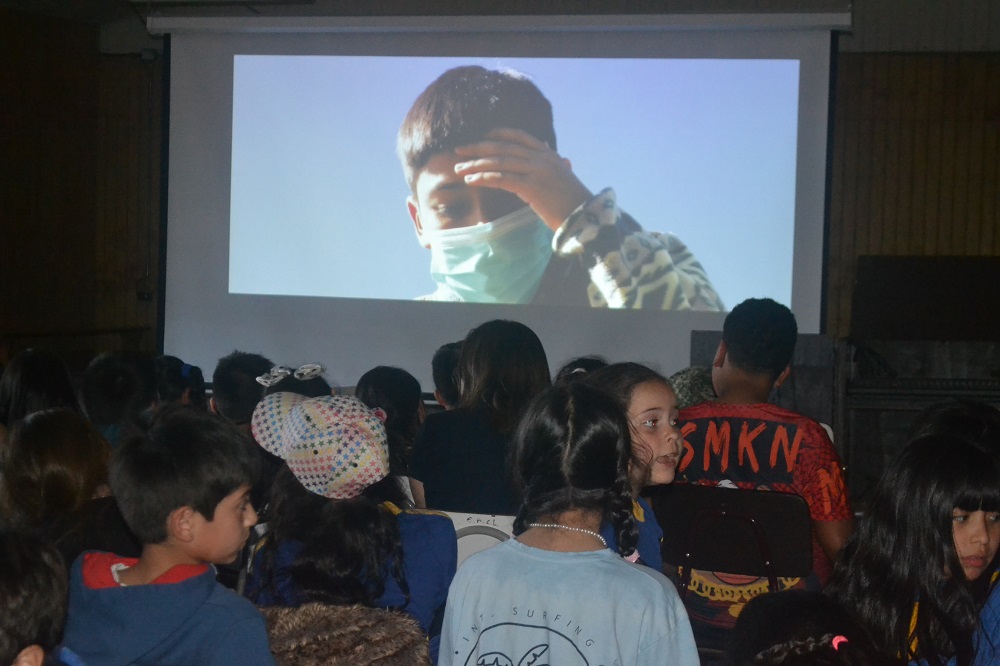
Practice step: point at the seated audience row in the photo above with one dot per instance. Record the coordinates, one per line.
(570, 462)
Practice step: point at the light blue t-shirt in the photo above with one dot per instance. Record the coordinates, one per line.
(514, 604)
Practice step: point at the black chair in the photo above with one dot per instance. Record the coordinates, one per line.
(745, 532)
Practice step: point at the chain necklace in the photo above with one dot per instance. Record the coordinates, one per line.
(557, 526)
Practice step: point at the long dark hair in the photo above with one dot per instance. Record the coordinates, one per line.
(348, 545)
(35, 379)
(396, 392)
(904, 551)
(571, 451)
(501, 368)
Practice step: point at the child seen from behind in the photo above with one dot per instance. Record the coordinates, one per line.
(184, 489)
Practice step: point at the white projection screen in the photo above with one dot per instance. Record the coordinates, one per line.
(287, 227)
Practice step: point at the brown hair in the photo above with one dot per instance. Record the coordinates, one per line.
(53, 463)
(502, 366)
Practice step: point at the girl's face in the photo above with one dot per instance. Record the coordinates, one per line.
(656, 438)
(977, 534)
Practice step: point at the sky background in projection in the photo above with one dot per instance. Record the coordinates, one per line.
(704, 149)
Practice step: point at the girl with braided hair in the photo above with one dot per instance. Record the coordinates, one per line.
(556, 593)
(651, 406)
(799, 628)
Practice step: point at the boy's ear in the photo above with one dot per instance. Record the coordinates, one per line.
(180, 524)
(414, 210)
(720, 355)
(212, 407)
(783, 376)
(440, 399)
(33, 655)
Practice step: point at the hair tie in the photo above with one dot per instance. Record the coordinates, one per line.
(837, 640)
(185, 370)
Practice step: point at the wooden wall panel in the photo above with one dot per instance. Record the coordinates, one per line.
(914, 165)
(128, 194)
(48, 142)
(79, 153)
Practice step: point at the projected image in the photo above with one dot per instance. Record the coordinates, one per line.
(663, 184)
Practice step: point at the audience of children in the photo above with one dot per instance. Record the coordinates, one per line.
(693, 386)
(184, 489)
(799, 628)
(35, 379)
(917, 571)
(742, 441)
(33, 591)
(235, 389)
(55, 485)
(117, 390)
(577, 368)
(651, 407)
(556, 594)
(443, 365)
(460, 456)
(338, 532)
(348, 565)
(306, 380)
(178, 382)
(397, 393)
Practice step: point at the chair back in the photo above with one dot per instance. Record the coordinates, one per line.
(744, 532)
(479, 531)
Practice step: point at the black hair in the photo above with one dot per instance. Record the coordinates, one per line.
(396, 392)
(54, 463)
(463, 105)
(571, 451)
(174, 378)
(33, 594)
(188, 458)
(345, 543)
(760, 336)
(975, 422)
(443, 366)
(799, 628)
(35, 379)
(577, 368)
(501, 368)
(235, 389)
(117, 388)
(904, 549)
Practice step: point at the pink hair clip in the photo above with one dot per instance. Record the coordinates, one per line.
(837, 640)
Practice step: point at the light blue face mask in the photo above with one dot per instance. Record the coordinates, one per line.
(497, 262)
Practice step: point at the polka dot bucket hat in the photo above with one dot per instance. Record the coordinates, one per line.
(334, 445)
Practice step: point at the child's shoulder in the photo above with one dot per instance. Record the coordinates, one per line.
(425, 520)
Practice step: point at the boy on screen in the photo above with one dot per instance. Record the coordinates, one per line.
(507, 221)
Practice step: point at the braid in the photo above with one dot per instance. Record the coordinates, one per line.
(793, 650)
(622, 517)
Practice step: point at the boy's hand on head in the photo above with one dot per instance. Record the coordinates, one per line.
(517, 162)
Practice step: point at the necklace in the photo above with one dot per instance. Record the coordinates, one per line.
(557, 526)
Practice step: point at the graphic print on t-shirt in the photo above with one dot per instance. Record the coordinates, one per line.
(547, 647)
